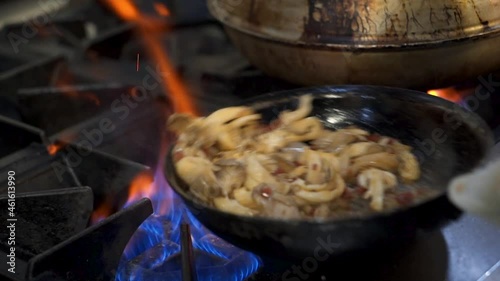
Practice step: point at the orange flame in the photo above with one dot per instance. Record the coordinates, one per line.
(450, 94)
(180, 96)
(161, 9)
(53, 149)
(140, 187)
(125, 9)
(103, 211)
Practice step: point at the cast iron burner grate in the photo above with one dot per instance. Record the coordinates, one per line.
(83, 125)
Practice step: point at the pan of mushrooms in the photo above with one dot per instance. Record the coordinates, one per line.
(356, 167)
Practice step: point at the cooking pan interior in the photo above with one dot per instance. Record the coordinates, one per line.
(447, 140)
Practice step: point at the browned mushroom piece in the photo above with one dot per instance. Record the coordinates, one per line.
(257, 174)
(361, 148)
(304, 130)
(230, 175)
(383, 160)
(302, 111)
(198, 173)
(331, 141)
(232, 206)
(177, 123)
(273, 203)
(377, 181)
(409, 168)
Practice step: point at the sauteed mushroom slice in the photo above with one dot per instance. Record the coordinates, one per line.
(307, 128)
(383, 160)
(336, 189)
(198, 173)
(302, 111)
(257, 174)
(224, 115)
(283, 165)
(272, 141)
(230, 135)
(315, 173)
(362, 148)
(232, 206)
(377, 181)
(273, 203)
(230, 175)
(409, 168)
(178, 123)
(360, 133)
(331, 141)
(244, 197)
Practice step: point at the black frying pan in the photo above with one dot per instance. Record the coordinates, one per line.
(449, 141)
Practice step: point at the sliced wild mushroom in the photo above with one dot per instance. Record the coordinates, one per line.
(178, 123)
(227, 139)
(309, 128)
(224, 115)
(317, 197)
(283, 164)
(377, 181)
(331, 163)
(355, 131)
(230, 135)
(257, 174)
(409, 168)
(244, 197)
(198, 174)
(315, 173)
(382, 160)
(299, 171)
(272, 141)
(268, 162)
(362, 148)
(331, 141)
(323, 196)
(244, 121)
(230, 175)
(304, 108)
(305, 126)
(181, 151)
(232, 206)
(197, 134)
(273, 203)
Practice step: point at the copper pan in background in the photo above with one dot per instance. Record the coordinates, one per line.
(402, 43)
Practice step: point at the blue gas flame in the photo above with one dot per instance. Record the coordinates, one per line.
(153, 253)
